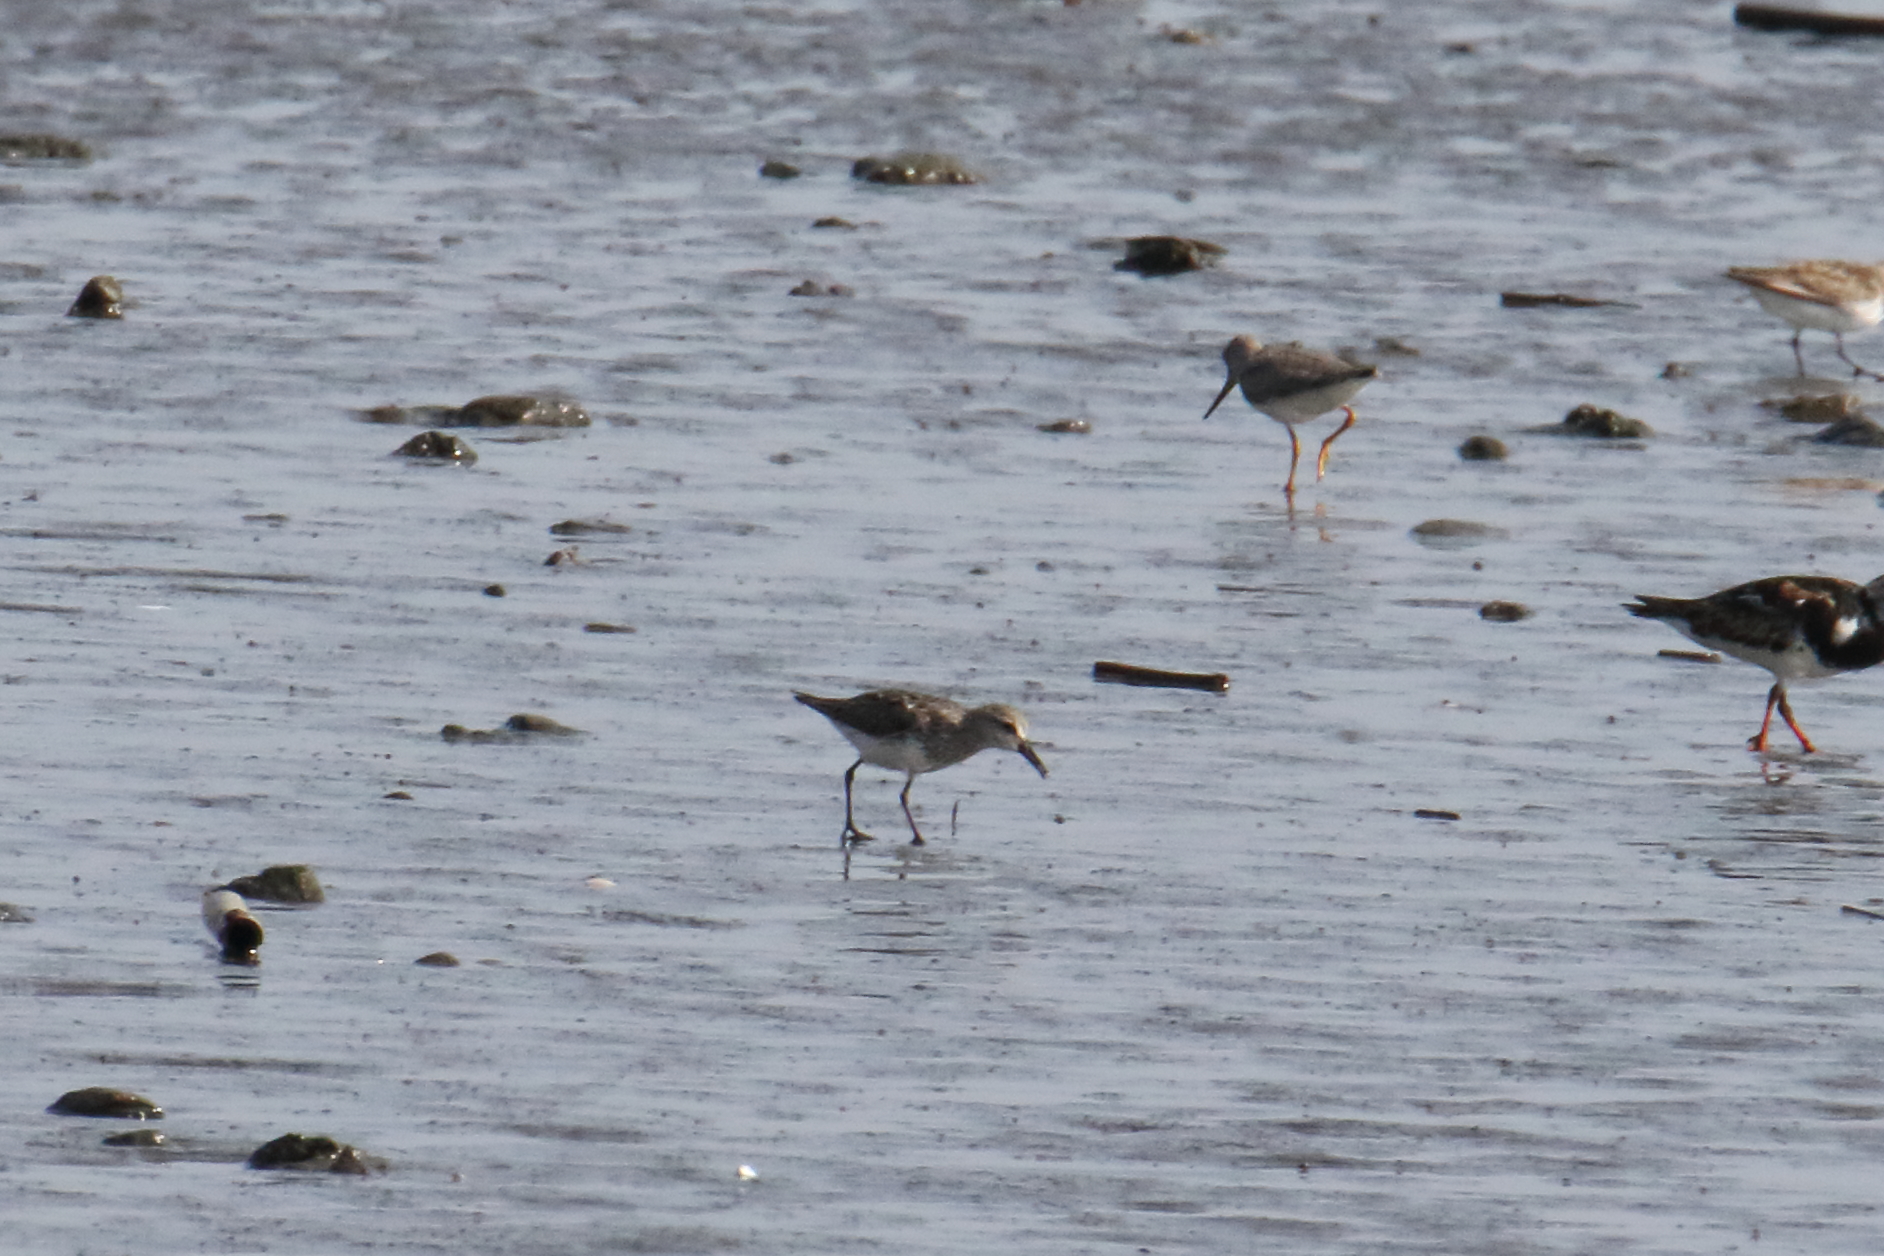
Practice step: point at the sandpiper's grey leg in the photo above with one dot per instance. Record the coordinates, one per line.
(851, 832)
(916, 840)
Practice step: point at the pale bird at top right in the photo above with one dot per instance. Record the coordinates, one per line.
(1822, 296)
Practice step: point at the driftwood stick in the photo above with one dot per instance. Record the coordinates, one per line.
(1127, 674)
(1774, 17)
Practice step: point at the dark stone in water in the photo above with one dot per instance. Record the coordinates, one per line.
(1856, 430)
(43, 148)
(495, 590)
(588, 527)
(516, 728)
(521, 410)
(103, 1101)
(503, 410)
(1504, 612)
(135, 1138)
(1483, 449)
(598, 626)
(1601, 424)
(1457, 530)
(438, 959)
(776, 169)
(1828, 408)
(1067, 427)
(282, 883)
(316, 1154)
(913, 168)
(11, 915)
(101, 297)
(1168, 255)
(833, 222)
(436, 446)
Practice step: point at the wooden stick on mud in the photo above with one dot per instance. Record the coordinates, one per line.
(1128, 674)
(1774, 17)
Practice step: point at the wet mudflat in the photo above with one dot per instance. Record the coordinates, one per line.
(1213, 985)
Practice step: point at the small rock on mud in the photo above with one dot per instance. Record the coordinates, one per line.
(103, 1101)
(440, 447)
(1483, 449)
(913, 168)
(1168, 255)
(1857, 431)
(522, 410)
(589, 527)
(516, 728)
(776, 169)
(1504, 612)
(1067, 427)
(11, 915)
(438, 959)
(101, 297)
(316, 1154)
(1601, 424)
(135, 1138)
(831, 222)
(498, 410)
(43, 147)
(1457, 530)
(281, 883)
(1828, 408)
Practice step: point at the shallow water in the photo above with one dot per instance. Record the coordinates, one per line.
(1212, 985)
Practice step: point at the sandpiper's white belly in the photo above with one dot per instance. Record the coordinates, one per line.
(898, 754)
(1851, 316)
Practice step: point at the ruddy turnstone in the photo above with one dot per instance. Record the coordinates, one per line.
(1826, 296)
(1796, 627)
(238, 932)
(915, 733)
(1292, 385)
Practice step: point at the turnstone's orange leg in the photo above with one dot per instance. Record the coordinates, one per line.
(1321, 463)
(1295, 456)
(1785, 709)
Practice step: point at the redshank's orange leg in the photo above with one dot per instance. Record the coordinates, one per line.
(1295, 456)
(1321, 463)
(1785, 709)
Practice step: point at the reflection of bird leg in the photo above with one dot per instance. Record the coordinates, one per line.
(1321, 463)
(1295, 456)
(851, 832)
(1797, 356)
